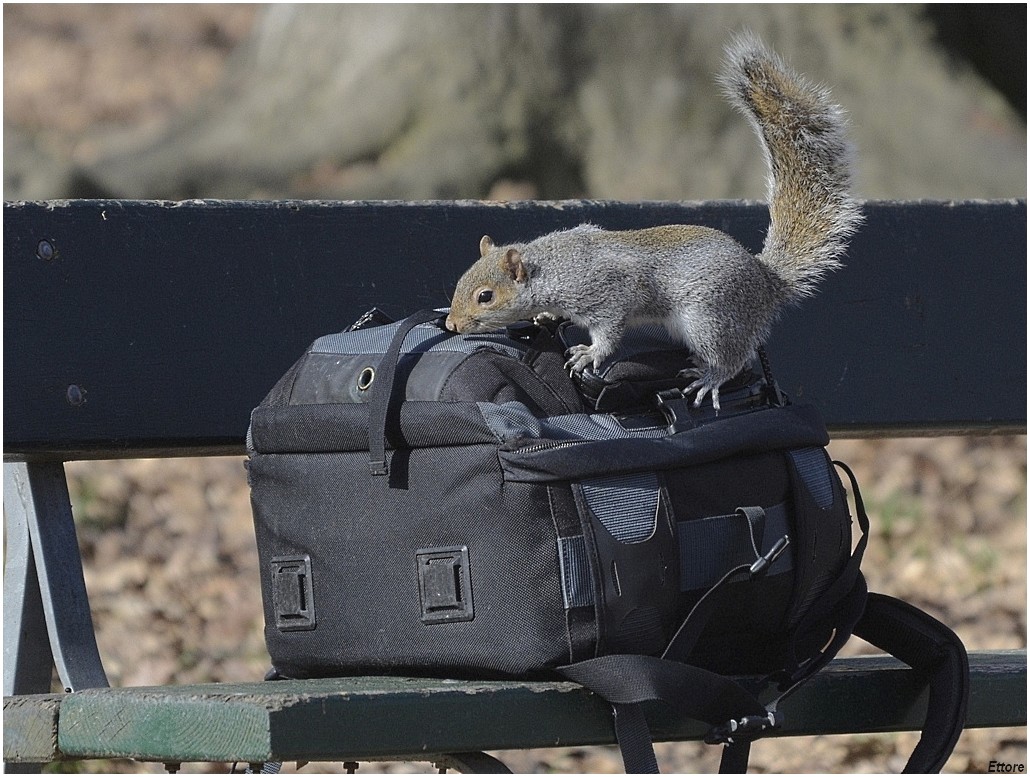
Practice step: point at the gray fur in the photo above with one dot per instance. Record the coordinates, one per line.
(698, 283)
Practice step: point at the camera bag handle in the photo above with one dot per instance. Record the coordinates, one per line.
(383, 391)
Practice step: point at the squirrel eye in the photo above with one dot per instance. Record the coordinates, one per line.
(485, 297)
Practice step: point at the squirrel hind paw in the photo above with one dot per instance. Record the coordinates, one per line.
(580, 357)
(701, 391)
(704, 384)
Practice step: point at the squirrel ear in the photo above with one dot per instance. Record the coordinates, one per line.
(485, 244)
(513, 265)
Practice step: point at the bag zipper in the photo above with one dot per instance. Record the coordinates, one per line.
(550, 446)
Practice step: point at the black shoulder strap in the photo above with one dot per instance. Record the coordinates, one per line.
(839, 607)
(907, 633)
(930, 647)
(382, 394)
(626, 681)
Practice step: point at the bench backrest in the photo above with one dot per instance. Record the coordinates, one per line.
(153, 328)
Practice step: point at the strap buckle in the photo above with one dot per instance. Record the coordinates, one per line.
(676, 408)
(746, 728)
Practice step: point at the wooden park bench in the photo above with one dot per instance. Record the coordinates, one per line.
(151, 329)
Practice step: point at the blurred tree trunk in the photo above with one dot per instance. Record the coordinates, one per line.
(445, 101)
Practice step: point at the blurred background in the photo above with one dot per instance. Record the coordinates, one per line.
(510, 102)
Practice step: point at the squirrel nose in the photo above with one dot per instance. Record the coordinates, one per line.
(449, 323)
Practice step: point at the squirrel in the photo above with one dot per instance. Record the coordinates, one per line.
(705, 288)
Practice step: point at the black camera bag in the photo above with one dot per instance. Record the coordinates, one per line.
(457, 505)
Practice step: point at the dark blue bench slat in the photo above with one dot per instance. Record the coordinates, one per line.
(156, 327)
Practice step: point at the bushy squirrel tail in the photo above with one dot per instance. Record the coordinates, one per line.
(802, 131)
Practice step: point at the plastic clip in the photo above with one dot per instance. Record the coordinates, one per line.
(762, 563)
(748, 727)
(676, 409)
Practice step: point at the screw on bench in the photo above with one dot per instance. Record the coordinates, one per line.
(75, 395)
(45, 250)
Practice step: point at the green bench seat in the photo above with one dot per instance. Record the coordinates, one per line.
(371, 718)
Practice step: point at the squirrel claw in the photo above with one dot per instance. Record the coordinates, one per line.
(700, 395)
(580, 357)
(701, 386)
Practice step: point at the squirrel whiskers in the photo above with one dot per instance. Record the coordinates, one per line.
(704, 287)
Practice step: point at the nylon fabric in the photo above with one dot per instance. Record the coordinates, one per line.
(831, 616)
(634, 738)
(514, 421)
(577, 584)
(823, 546)
(814, 471)
(424, 338)
(457, 505)
(626, 505)
(328, 377)
(280, 393)
(710, 546)
(365, 578)
(929, 646)
(735, 757)
(772, 429)
(344, 427)
(696, 692)
(627, 681)
(384, 394)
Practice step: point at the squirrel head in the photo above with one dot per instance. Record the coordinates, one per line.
(488, 296)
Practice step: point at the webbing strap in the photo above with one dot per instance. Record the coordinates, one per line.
(711, 545)
(634, 739)
(384, 390)
(626, 681)
(840, 605)
(735, 757)
(930, 647)
(632, 679)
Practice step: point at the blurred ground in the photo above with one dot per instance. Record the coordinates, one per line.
(72, 72)
(171, 565)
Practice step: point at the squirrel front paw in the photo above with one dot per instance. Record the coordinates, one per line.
(581, 357)
(544, 318)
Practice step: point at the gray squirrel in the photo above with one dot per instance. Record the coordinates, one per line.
(704, 287)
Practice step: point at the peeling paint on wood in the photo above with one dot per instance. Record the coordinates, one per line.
(30, 728)
(382, 717)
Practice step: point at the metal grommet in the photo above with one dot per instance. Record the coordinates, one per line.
(365, 378)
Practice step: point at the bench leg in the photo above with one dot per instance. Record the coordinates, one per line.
(44, 590)
(28, 662)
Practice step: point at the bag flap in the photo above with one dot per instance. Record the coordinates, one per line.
(574, 457)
